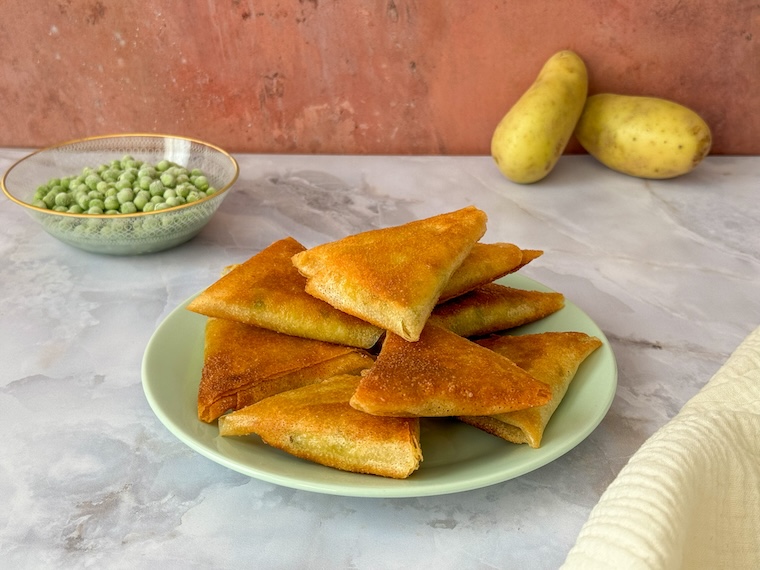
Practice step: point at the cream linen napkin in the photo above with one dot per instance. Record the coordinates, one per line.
(690, 496)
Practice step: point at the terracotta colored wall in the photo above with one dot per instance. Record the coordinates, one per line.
(381, 76)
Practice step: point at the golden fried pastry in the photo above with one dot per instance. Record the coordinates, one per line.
(493, 307)
(316, 423)
(267, 291)
(444, 374)
(552, 357)
(529, 255)
(485, 263)
(243, 364)
(392, 277)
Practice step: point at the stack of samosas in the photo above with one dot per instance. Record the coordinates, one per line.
(334, 353)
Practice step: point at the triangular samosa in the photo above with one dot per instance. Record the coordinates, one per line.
(267, 291)
(493, 307)
(443, 374)
(392, 277)
(316, 423)
(243, 364)
(529, 255)
(485, 263)
(552, 357)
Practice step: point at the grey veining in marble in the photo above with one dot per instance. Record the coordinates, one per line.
(89, 477)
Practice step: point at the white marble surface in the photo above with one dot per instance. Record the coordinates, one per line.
(89, 477)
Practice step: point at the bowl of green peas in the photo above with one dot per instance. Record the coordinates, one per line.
(125, 194)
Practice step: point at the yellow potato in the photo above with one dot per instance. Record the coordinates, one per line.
(643, 136)
(530, 138)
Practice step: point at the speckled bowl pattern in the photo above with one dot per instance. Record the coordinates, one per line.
(122, 234)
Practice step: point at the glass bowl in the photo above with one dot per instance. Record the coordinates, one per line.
(122, 234)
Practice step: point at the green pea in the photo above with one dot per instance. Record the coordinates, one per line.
(128, 208)
(148, 207)
(119, 225)
(97, 203)
(161, 206)
(66, 224)
(173, 201)
(168, 180)
(201, 183)
(110, 175)
(151, 223)
(39, 204)
(63, 199)
(144, 182)
(102, 186)
(112, 203)
(125, 195)
(112, 191)
(92, 181)
(95, 195)
(193, 196)
(140, 202)
(95, 210)
(211, 190)
(163, 165)
(60, 208)
(75, 209)
(157, 199)
(170, 193)
(156, 188)
(112, 212)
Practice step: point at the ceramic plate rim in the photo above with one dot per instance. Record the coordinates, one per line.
(182, 329)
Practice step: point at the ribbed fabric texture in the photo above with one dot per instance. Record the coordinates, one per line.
(690, 496)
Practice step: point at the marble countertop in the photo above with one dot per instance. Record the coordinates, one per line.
(91, 478)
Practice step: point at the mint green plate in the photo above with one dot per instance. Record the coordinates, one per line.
(457, 457)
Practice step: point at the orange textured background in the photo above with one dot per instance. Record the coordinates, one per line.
(381, 77)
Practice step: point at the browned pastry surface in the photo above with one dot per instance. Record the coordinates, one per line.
(392, 277)
(317, 423)
(493, 307)
(444, 374)
(267, 291)
(485, 263)
(552, 357)
(251, 363)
